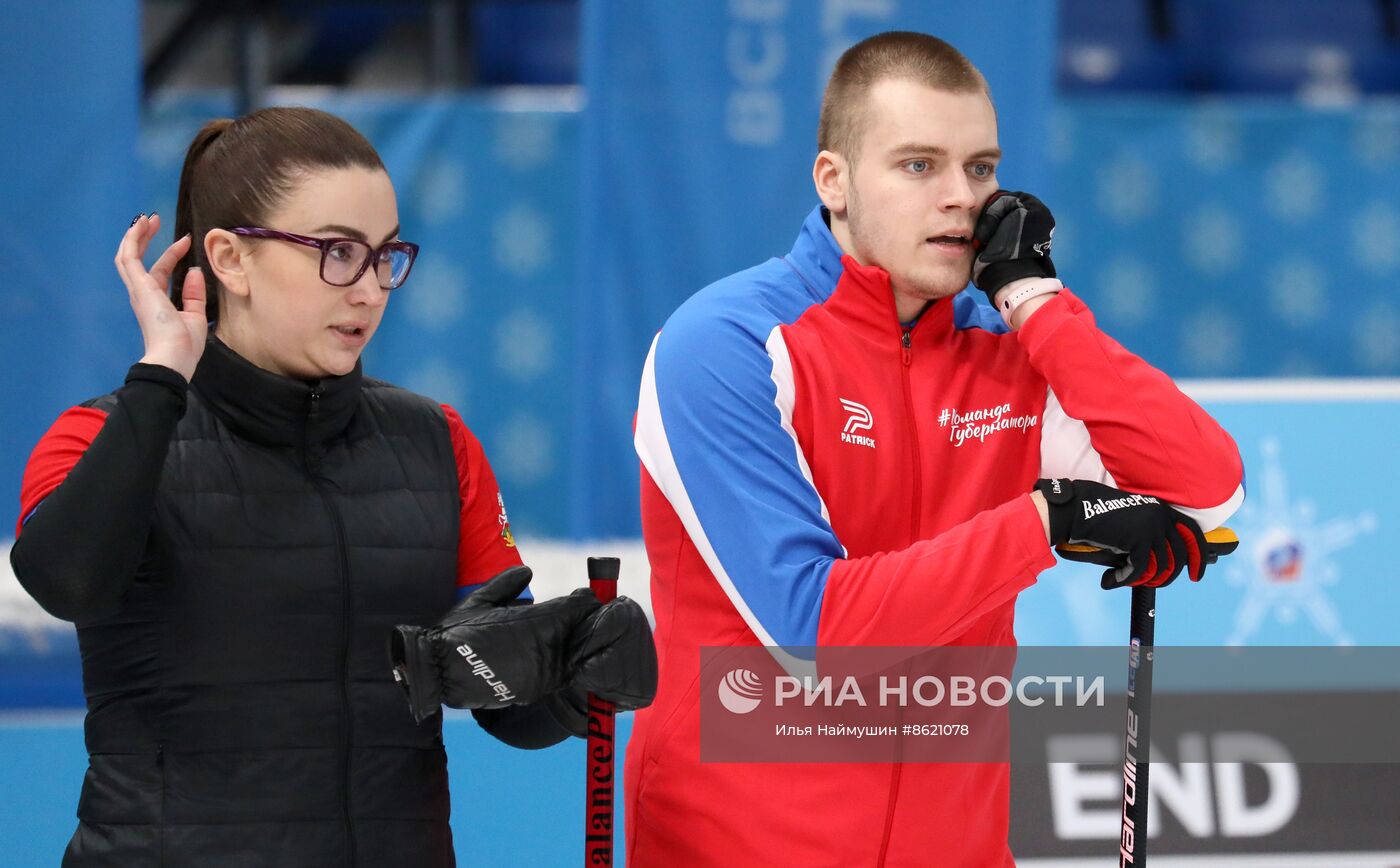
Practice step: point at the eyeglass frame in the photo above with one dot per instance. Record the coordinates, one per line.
(325, 244)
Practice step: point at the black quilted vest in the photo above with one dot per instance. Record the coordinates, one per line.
(241, 707)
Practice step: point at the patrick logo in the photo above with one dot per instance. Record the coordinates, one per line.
(858, 418)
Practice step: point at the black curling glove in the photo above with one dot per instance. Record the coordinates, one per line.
(487, 652)
(612, 656)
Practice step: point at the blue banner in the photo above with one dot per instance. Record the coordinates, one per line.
(1223, 238)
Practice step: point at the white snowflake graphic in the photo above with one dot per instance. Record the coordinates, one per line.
(442, 381)
(1294, 187)
(1377, 341)
(1376, 138)
(442, 190)
(1297, 291)
(1287, 564)
(1375, 237)
(525, 140)
(1127, 290)
(1062, 137)
(1213, 139)
(1210, 341)
(522, 237)
(524, 345)
(526, 449)
(1127, 189)
(435, 296)
(1212, 240)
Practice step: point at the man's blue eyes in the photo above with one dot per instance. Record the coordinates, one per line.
(981, 170)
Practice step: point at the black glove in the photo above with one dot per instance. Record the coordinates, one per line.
(488, 653)
(1158, 541)
(611, 656)
(1012, 240)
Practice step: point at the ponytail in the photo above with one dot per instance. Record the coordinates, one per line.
(185, 217)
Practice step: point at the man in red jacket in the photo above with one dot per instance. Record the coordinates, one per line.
(840, 447)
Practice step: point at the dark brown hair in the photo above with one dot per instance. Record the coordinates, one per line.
(238, 171)
(896, 54)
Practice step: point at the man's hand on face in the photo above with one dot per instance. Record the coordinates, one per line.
(1012, 240)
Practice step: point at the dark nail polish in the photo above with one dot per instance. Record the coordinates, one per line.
(154, 213)
(137, 217)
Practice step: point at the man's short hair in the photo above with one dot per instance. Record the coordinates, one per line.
(897, 54)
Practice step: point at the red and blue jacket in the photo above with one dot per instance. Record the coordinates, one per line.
(815, 473)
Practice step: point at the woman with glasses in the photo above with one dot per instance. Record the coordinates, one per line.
(239, 528)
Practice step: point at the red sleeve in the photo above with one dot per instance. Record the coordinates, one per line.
(932, 591)
(55, 455)
(1151, 436)
(485, 546)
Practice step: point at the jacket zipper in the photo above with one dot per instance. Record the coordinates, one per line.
(906, 342)
(347, 730)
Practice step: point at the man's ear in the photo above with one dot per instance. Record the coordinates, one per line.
(225, 251)
(831, 175)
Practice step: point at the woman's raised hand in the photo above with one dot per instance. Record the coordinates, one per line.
(174, 338)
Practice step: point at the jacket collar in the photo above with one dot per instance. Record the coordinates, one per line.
(859, 295)
(815, 255)
(272, 409)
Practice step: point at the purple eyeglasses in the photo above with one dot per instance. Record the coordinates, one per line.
(344, 260)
